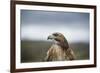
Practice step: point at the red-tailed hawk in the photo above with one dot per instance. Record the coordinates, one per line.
(60, 50)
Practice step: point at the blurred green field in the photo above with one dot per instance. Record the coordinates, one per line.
(35, 51)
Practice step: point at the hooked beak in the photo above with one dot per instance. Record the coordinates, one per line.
(50, 37)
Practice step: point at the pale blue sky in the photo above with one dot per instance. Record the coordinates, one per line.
(37, 25)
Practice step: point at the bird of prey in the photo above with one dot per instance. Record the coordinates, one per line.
(60, 50)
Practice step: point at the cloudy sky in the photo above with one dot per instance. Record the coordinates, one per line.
(37, 25)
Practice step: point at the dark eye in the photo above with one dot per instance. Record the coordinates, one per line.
(55, 34)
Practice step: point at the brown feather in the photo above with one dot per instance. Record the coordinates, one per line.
(60, 51)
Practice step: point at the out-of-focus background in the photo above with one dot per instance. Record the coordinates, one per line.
(35, 51)
(37, 25)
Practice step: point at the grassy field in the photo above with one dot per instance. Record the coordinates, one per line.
(35, 51)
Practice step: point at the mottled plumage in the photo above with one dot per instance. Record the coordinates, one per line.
(60, 50)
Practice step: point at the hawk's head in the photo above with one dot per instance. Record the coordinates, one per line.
(59, 39)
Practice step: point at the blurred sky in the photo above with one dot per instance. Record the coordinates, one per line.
(37, 25)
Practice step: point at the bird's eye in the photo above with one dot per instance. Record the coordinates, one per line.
(55, 34)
